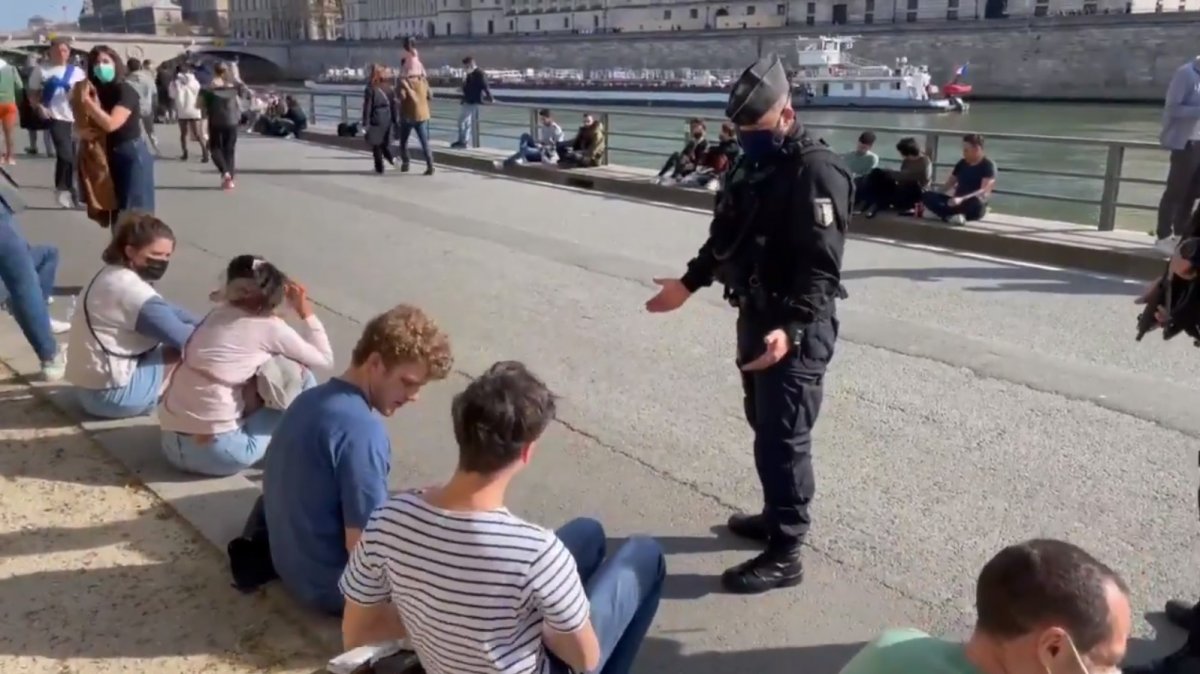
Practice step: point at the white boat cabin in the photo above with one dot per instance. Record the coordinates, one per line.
(825, 69)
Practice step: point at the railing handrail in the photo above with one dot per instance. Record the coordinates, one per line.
(1111, 179)
(897, 130)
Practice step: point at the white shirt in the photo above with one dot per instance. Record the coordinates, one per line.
(185, 91)
(60, 103)
(475, 590)
(105, 355)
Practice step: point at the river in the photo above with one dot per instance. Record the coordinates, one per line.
(644, 141)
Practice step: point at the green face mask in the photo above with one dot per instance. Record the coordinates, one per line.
(105, 72)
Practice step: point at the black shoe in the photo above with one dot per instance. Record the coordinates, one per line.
(403, 167)
(203, 159)
(768, 571)
(753, 527)
(458, 145)
(429, 170)
(1180, 613)
(871, 211)
(184, 156)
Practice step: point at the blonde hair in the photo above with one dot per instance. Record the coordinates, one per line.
(405, 334)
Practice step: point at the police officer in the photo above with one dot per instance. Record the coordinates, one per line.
(775, 244)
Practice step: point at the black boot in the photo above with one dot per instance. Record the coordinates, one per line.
(752, 527)
(771, 570)
(1182, 661)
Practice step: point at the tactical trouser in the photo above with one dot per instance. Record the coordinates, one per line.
(781, 405)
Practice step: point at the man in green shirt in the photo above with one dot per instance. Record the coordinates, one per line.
(1043, 606)
(11, 89)
(862, 161)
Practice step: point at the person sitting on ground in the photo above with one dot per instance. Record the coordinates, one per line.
(125, 337)
(862, 160)
(544, 148)
(27, 277)
(588, 148)
(717, 161)
(563, 606)
(296, 115)
(1042, 606)
(327, 466)
(968, 188)
(241, 368)
(901, 189)
(685, 162)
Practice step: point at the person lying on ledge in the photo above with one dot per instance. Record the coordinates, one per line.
(968, 187)
(587, 150)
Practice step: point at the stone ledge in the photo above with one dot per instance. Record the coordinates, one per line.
(986, 238)
(216, 508)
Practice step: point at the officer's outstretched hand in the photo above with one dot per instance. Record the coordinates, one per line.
(777, 347)
(671, 295)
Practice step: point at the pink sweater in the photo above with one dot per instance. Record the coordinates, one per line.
(204, 396)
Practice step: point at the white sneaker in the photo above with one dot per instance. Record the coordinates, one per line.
(59, 327)
(65, 200)
(957, 220)
(55, 370)
(1167, 245)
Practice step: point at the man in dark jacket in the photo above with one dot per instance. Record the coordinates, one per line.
(474, 93)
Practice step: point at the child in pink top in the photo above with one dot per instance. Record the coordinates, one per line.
(212, 420)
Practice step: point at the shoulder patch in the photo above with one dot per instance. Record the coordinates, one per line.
(823, 213)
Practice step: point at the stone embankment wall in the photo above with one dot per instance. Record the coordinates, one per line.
(1126, 58)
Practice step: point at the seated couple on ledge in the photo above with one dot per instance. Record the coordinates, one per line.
(471, 586)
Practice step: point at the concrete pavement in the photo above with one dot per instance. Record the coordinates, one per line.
(972, 402)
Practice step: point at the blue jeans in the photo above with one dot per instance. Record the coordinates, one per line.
(135, 399)
(27, 285)
(422, 129)
(468, 117)
(227, 453)
(527, 149)
(623, 589)
(132, 169)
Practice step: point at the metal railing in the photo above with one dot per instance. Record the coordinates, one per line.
(1099, 191)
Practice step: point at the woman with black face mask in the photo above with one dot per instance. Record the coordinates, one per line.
(124, 337)
(113, 105)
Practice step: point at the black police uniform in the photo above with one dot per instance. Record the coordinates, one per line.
(775, 243)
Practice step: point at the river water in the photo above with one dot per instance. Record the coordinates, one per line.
(646, 141)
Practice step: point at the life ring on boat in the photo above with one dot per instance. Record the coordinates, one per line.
(955, 89)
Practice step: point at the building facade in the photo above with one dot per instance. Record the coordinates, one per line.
(212, 16)
(150, 17)
(387, 19)
(288, 19)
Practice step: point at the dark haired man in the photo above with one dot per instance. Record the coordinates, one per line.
(685, 162)
(475, 92)
(543, 148)
(477, 589)
(968, 188)
(1043, 606)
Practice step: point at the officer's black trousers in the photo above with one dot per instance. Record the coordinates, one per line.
(781, 404)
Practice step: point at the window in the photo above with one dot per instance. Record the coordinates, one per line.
(595, 21)
(566, 22)
(911, 17)
(512, 25)
(666, 15)
(952, 15)
(781, 10)
(869, 18)
(750, 9)
(537, 24)
(694, 13)
(1042, 8)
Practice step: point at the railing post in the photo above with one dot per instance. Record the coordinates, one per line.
(345, 109)
(476, 122)
(312, 108)
(533, 122)
(931, 150)
(1112, 187)
(608, 134)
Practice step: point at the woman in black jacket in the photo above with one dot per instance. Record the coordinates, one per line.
(378, 117)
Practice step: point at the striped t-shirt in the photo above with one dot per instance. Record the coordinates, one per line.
(473, 589)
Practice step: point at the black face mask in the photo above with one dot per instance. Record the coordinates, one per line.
(697, 135)
(153, 270)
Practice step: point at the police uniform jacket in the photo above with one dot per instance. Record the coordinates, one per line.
(778, 232)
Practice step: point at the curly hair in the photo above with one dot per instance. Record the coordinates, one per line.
(405, 334)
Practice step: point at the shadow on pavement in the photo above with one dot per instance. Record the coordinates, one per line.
(1006, 279)
(664, 655)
